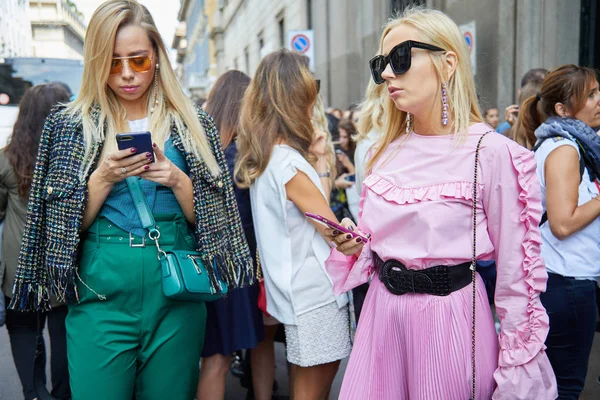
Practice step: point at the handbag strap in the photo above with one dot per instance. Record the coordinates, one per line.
(474, 261)
(140, 203)
(144, 211)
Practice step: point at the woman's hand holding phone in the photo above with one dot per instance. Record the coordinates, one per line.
(163, 171)
(121, 164)
(348, 239)
(346, 243)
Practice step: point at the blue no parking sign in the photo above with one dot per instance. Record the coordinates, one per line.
(469, 31)
(302, 42)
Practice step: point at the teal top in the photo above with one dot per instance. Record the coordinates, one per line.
(119, 209)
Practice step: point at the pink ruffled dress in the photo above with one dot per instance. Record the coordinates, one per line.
(417, 205)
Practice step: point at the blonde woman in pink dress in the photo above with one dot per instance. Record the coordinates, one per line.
(417, 205)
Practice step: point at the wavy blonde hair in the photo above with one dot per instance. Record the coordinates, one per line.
(437, 29)
(371, 113)
(276, 109)
(320, 123)
(173, 105)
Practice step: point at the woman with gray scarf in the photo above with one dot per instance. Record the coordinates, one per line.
(559, 120)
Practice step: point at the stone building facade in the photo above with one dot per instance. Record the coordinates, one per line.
(15, 31)
(195, 66)
(57, 29)
(511, 36)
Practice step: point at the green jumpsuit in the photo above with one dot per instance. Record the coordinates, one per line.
(125, 339)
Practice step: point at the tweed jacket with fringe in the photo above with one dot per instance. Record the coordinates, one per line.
(48, 259)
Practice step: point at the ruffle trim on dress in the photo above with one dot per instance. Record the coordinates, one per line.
(521, 347)
(399, 195)
(348, 272)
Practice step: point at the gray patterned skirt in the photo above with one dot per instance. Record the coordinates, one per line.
(321, 336)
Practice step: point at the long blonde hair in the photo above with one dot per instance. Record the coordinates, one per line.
(276, 108)
(320, 123)
(173, 106)
(371, 112)
(463, 107)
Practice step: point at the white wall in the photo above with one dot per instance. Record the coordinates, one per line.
(243, 21)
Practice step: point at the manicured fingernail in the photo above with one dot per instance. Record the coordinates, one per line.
(153, 144)
(148, 155)
(358, 240)
(348, 236)
(146, 167)
(133, 149)
(369, 235)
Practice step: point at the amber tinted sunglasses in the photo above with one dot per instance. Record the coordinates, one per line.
(138, 64)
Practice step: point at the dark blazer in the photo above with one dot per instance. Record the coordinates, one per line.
(49, 253)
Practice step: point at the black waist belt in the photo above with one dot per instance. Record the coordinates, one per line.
(438, 281)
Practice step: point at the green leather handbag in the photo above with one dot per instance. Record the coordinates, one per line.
(184, 276)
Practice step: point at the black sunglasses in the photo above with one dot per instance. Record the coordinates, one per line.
(399, 58)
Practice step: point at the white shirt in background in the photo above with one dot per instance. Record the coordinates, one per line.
(292, 252)
(578, 255)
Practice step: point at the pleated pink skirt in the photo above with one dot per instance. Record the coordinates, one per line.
(418, 347)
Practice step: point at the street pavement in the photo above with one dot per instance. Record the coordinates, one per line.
(10, 388)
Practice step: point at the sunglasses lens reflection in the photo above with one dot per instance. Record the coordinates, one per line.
(137, 64)
(140, 64)
(400, 59)
(378, 65)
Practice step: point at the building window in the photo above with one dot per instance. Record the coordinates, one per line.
(247, 60)
(281, 25)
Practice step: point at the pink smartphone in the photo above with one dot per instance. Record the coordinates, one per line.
(334, 225)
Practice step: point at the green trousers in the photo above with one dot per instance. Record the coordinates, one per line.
(136, 343)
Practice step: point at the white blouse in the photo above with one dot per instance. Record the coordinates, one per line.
(576, 256)
(292, 252)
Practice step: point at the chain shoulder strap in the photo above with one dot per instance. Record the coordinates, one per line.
(474, 262)
(259, 275)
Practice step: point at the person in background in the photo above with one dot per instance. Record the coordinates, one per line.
(336, 112)
(82, 241)
(332, 126)
(491, 117)
(17, 161)
(370, 126)
(426, 329)
(286, 164)
(345, 170)
(350, 113)
(234, 322)
(519, 135)
(534, 76)
(560, 119)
